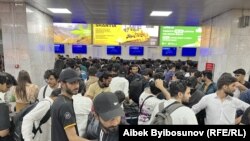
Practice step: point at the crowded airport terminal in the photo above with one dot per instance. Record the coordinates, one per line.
(78, 70)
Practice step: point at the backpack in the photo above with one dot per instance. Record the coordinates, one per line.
(131, 112)
(93, 128)
(163, 116)
(18, 120)
(136, 87)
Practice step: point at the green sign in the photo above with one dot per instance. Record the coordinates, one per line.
(180, 36)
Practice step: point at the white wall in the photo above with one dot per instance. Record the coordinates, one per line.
(27, 40)
(228, 45)
(149, 52)
(40, 43)
(14, 30)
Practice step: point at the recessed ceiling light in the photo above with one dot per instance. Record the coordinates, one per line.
(59, 10)
(161, 13)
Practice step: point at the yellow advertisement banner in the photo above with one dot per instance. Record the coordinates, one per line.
(107, 34)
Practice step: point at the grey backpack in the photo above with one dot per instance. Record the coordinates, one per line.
(163, 116)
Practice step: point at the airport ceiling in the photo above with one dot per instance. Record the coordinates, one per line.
(185, 12)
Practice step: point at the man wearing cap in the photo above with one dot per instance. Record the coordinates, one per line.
(109, 112)
(63, 117)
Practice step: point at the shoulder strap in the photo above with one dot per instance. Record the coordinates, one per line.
(144, 101)
(42, 121)
(172, 107)
(161, 106)
(44, 91)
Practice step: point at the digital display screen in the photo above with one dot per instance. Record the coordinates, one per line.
(114, 50)
(59, 48)
(188, 52)
(72, 33)
(79, 49)
(136, 50)
(169, 51)
(111, 34)
(180, 36)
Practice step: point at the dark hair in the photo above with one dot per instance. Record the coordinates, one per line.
(104, 75)
(226, 73)
(7, 78)
(92, 71)
(82, 88)
(225, 80)
(208, 74)
(22, 79)
(11, 80)
(120, 96)
(240, 71)
(157, 70)
(170, 66)
(134, 65)
(71, 63)
(154, 90)
(59, 66)
(191, 82)
(55, 92)
(148, 65)
(197, 74)
(122, 72)
(147, 71)
(3, 78)
(179, 75)
(158, 75)
(115, 71)
(176, 87)
(50, 72)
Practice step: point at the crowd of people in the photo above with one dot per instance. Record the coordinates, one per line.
(87, 99)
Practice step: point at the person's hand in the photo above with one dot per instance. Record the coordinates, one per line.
(238, 84)
(159, 83)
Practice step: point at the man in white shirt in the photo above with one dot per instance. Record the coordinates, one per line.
(51, 78)
(82, 107)
(119, 82)
(182, 115)
(221, 107)
(35, 116)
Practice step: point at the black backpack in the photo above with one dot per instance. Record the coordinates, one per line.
(136, 87)
(93, 128)
(18, 120)
(163, 116)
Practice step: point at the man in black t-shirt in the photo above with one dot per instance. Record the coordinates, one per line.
(246, 117)
(63, 117)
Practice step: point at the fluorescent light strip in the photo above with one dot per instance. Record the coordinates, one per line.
(161, 13)
(59, 10)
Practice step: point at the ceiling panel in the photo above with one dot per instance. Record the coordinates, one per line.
(185, 12)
